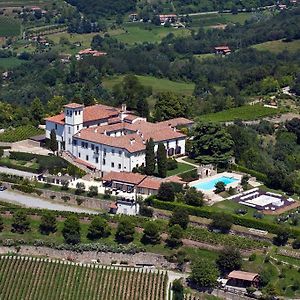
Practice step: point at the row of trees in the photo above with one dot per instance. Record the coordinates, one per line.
(160, 159)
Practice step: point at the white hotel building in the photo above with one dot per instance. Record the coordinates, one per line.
(112, 139)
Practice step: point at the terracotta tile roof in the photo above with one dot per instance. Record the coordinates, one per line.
(113, 205)
(157, 131)
(59, 119)
(98, 112)
(150, 183)
(73, 105)
(127, 177)
(177, 122)
(114, 120)
(84, 163)
(141, 181)
(131, 142)
(131, 117)
(242, 275)
(175, 178)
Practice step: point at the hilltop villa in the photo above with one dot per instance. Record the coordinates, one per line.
(112, 139)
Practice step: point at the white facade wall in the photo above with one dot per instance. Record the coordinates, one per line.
(59, 129)
(107, 158)
(173, 144)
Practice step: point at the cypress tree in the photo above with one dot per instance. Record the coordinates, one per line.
(53, 142)
(150, 158)
(142, 108)
(161, 160)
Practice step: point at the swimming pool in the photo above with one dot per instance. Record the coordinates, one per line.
(210, 185)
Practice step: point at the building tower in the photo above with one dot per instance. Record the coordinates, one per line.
(73, 123)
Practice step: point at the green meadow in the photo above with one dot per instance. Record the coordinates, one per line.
(278, 46)
(157, 84)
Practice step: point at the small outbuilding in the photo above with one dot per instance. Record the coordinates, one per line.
(243, 279)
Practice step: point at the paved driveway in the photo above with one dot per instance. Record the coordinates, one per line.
(35, 202)
(29, 147)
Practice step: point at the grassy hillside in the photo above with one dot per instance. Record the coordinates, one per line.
(247, 112)
(140, 33)
(220, 18)
(9, 27)
(157, 84)
(10, 62)
(279, 46)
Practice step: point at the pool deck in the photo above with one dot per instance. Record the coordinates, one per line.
(213, 198)
(219, 175)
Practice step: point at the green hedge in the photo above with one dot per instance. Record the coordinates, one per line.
(53, 164)
(259, 176)
(189, 175)
(18, 167)
(207, 212)
(29, 189)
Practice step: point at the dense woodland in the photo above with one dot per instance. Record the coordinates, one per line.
(109, 8)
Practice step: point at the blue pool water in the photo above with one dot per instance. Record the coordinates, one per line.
(210, 185)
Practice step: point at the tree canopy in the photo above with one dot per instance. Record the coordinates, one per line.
(211, 144)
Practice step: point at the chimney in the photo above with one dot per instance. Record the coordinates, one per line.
(124, 108)
(132, 141)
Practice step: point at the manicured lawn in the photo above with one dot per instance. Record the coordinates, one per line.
(157, 84)
(278, 46)
(9, 27)
(10, 62)
(231, 206)
(180, 169)
(20, 133)
(139, 33)
(247, 112)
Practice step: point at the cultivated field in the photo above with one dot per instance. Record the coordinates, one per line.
(278, 46)
(245, 113)
(20, 133)
(32, 278)
(157, 84)
(9, 27)
(219, 18)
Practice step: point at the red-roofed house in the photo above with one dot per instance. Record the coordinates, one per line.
(243, 279)
(89, 52)
(224, 50)
(112, 139)
(135, 182)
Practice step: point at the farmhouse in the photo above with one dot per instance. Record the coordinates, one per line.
(224, 50)
(136, 183)
(112, 139)
(89, 52)
(243, 279)
(172, 18)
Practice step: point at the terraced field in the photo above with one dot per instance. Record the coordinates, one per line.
(32, 278)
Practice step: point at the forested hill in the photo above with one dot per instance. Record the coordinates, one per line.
(285, 25)
(102, 8)
(191, 6)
